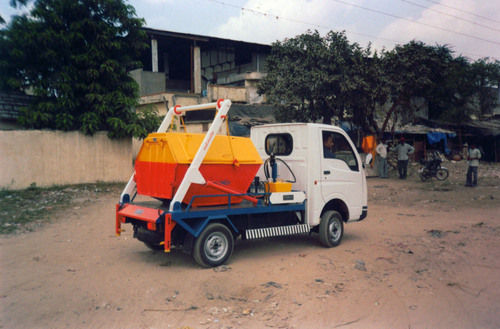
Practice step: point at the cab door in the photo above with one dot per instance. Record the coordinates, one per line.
(342, 175)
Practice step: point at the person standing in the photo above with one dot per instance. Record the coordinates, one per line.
(403, 149)
(473, 158)
(381, 150)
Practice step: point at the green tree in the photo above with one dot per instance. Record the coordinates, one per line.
(452, 98)
(74, 55)
(486, 79)
(370, 90)
(463, 88)
(312, 78)
(309, 76)
(412, 71)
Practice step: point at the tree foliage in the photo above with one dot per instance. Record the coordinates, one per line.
(308, 76)
(411, 71)
(371, 89)
(311, 78)
(485, 77)
(74, 55)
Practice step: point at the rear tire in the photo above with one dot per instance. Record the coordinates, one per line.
(331, 229)
(214, 246)
(442, 174)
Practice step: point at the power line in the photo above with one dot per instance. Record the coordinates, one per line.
(463, 11)
(273, 16)
(266, 14)
(414, 21)
(450, 15)
(277, 17)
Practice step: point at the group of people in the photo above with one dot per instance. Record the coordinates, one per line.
(404, 149)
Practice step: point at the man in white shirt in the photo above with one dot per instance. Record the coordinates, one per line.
(473, 158)
(381, 150)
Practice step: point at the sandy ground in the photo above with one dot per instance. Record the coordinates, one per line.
(427, 256)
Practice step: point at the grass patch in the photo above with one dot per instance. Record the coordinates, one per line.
(26, 210)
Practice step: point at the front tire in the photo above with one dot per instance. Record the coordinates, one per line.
(331, 229)
(442, 174)
(214, 246)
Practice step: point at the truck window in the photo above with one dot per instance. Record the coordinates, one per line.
(279, 144)
(336, 146)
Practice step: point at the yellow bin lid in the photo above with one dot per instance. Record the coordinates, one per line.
(181, 148)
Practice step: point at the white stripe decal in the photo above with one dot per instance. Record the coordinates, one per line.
(259, 233)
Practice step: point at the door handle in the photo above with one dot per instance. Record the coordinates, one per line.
(326, 172)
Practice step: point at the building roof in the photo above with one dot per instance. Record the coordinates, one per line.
(419, 129)
(196, 37)
(489, 127)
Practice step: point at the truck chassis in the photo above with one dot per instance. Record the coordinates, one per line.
(208, 233)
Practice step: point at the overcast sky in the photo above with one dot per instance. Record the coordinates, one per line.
(470, 27)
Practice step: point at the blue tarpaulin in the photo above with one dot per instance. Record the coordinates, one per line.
(436, 137)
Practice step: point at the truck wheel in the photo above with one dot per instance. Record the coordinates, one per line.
(331, 228)
(214, 245)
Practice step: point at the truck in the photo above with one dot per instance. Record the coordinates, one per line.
(201, 192)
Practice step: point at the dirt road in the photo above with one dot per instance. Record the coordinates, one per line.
(427, 256)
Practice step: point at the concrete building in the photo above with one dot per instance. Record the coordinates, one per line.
(189, 69)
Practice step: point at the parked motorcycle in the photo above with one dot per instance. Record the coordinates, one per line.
(432, 168)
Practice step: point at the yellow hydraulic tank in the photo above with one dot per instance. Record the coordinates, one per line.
(278, 187)
(231, 162)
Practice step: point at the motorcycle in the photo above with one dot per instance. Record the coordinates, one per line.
(432, 168)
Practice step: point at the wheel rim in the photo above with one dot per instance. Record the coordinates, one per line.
(334, 230)
(441, 174)
(216, 246)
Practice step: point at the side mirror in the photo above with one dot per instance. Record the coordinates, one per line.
(368, 159)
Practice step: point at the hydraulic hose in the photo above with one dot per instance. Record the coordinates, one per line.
(268, 163)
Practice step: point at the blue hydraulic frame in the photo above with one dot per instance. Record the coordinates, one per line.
(184, 217)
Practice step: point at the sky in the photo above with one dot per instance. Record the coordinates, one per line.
(470, 28)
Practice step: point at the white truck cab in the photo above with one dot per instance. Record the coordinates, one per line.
(325, 163)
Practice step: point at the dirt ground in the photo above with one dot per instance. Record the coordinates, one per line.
(427, 256)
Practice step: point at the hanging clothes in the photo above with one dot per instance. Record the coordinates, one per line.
(368, 145)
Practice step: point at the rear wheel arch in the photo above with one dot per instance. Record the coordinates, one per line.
(223, 220)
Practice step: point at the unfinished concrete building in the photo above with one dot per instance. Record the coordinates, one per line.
(187, 69)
